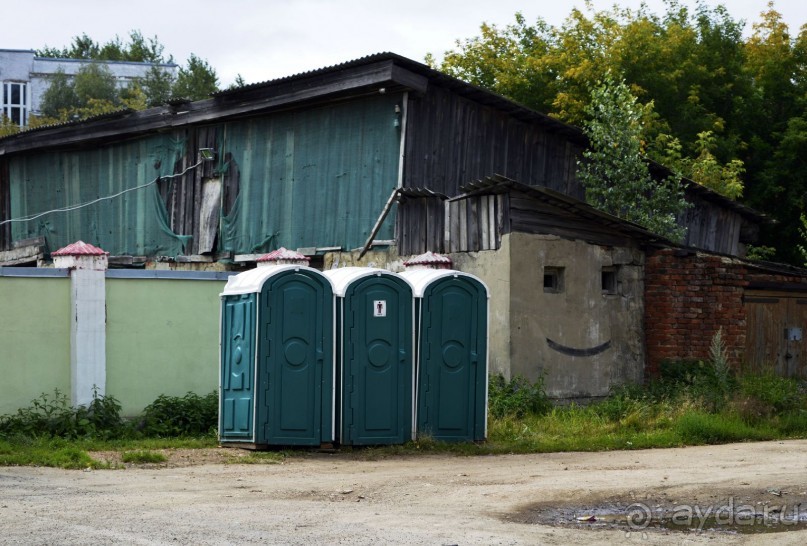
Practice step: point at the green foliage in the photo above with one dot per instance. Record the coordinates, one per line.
(54, 417)
(138, 49)
(698, 427)
(760, 253)
(614, 172)
(188, 415)
(156, 86)
(8, 127)
(780, 393)
(143, 457)
(197, 80)
(732, 102)
(59, 97)
(517, 397)
(59, 453)
(91, 92)
(95, 81)
(94, 90)
(803, 234)
(705, 168)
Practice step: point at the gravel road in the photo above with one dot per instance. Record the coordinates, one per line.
(430, 499)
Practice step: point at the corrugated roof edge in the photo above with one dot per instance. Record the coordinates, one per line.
(108, 115)
(422, 69)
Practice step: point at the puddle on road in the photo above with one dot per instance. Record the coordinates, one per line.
(637, 517)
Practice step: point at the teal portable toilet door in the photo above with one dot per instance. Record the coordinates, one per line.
(296, 353)
(452, 385)
(378, 372)
(237, 368)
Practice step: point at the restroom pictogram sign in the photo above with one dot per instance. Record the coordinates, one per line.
(380, 308)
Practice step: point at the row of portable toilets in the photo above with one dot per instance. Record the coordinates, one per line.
(355, 356)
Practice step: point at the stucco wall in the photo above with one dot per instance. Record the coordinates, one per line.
(578, 318)
(493, 267)
(162, 338)
(34, 339)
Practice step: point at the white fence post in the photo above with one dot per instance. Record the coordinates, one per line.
(87, 265)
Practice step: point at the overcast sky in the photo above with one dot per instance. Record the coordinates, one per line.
(266, 39)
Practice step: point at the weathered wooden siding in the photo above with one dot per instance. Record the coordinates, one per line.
(769, 315)
(476, 223)
(429, 232)
(452, 140)
(184, 196)
(711, 227)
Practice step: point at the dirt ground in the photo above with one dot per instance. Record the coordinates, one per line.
(344, 498)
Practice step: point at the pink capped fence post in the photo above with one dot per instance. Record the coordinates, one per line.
(87, 265)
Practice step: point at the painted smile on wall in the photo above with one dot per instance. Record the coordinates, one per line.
(571, 351)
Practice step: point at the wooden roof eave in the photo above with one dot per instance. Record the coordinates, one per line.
(498, 184)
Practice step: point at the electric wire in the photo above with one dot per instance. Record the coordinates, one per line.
(69, 208)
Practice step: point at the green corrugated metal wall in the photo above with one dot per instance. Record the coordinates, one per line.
(134, 223)
(317, 177)
(313, 177)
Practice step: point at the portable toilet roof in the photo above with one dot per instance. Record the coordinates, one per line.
(343, 277)
(252, 281)
(420, 279)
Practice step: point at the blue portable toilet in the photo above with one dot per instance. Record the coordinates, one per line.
(375, 339)
(277, 369)
(452, 354)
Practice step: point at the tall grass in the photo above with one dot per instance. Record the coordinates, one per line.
(691, 403)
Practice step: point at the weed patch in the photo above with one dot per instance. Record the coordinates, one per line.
(143, 457)
(189, 415)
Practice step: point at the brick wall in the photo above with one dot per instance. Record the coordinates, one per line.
(689, 296)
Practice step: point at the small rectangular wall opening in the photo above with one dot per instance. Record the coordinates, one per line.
(609, 284)
(553, 280)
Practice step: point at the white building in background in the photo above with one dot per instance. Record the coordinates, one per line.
(25, 78)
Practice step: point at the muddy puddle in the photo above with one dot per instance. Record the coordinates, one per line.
(727, 516)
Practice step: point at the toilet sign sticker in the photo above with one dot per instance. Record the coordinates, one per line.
(380, 308)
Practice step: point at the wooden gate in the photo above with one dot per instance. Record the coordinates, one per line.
(776, 324)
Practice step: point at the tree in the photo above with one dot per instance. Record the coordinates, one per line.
(91, 92)
(95, 81)
(138, 49)
(508, 61)
(156, 86)
(728, 110)
(196, 81)
(614, 172)
(60, 96)
(8, 127)
(705, 168)
(94, 89)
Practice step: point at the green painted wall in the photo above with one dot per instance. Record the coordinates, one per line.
(34, 339)
(162, 338)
